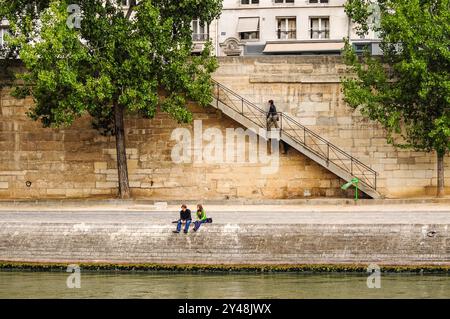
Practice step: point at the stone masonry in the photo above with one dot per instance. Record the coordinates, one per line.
(150, 241)
(308, 88)
(77, 162)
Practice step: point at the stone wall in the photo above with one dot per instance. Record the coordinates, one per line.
(225, 243)
(308, 88)
(77, 162)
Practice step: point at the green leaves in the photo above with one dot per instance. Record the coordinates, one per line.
(71, 72)
(407, 90)
(441, 134)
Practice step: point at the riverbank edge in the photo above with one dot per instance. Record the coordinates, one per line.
(245, 202)
(261, 268)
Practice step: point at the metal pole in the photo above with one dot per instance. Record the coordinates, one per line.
(328, 153)
(218, 94)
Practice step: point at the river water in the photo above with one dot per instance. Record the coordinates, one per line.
(15, 284)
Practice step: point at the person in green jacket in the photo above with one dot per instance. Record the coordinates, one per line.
(201, 217)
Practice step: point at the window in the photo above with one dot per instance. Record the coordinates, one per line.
(284, 1)
(248, 28)
(200, 31)
(320, 28)
(318, 1)
(249, 1)
(286, 28)
(361, 47)
(249, 35)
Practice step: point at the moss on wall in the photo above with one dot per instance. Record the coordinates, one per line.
(355, 268)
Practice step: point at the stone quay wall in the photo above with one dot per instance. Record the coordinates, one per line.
(139, 243)
(77, 162)
(308, 88)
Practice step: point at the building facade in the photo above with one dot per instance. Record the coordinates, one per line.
(270, 27)
(256, 27)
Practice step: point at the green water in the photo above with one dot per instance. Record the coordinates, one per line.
(217, 285)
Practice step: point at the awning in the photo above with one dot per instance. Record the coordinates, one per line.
(303, 47)
(248, 25)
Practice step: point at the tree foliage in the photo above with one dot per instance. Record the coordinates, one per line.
(114, 60)
(114, 57)
(407, 90)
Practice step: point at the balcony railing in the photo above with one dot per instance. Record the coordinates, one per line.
(283, 35)
(320, 34)
(200, 37)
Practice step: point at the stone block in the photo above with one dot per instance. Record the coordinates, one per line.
(135, 184)
(56, 191)
(100, 166)
(133, 164)
(308, 121)
(406, 160)
(106, 185)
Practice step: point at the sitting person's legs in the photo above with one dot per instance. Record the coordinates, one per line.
(198, 223)
(186, 227)
(180, 222)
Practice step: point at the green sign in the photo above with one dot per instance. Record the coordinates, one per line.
(354, 182)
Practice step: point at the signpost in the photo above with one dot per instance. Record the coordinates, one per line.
(354, 182)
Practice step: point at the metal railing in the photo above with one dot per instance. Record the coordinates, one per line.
(200, 37)
(302, 135)
(285, 35)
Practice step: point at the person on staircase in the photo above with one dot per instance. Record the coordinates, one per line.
(272, 116)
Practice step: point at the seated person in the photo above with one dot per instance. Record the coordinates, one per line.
(185, 217)
(201, 217)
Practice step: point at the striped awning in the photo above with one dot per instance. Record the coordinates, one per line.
(248, 25)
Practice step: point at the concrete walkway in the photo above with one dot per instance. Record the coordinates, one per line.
(235, 214)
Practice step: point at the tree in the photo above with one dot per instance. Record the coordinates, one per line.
(105, 60)
(407, 90)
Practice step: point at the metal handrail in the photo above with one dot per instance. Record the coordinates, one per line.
(295, 125)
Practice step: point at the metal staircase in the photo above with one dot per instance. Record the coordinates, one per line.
(297, 136)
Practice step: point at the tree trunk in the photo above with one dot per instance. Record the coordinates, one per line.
(122, 168)
(440, 175)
